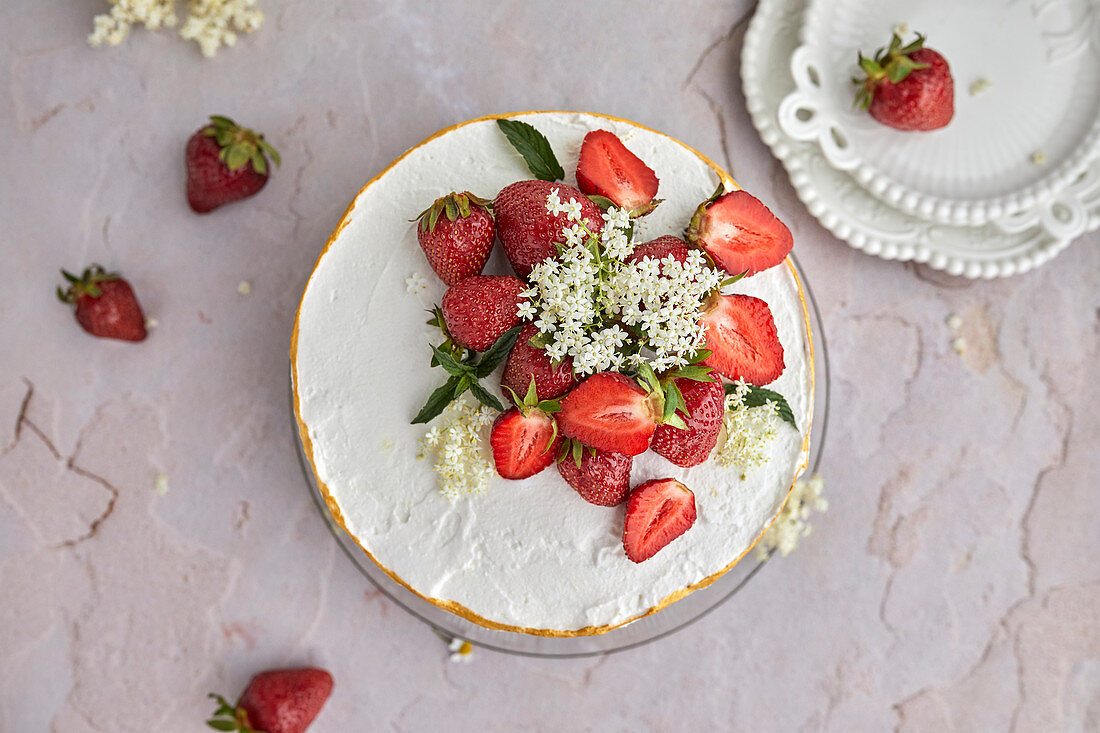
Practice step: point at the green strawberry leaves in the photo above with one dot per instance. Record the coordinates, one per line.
(229, 718)
(893, 63)
(758, 396)
(534, 148)
(465, 374)
(240, 145)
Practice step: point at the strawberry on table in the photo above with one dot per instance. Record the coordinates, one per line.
(277, 701)
(602, 478)
(657, 512)
(742, 339)
(527, 230)
(739, 233)
(104, 304)
(456, 233)
(479, 309)
(225, 163)
(607, 168)
(907, 87)
(705, 406)
(525, 438)
(527, 361)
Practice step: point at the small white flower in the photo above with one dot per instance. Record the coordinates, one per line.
(807, 496)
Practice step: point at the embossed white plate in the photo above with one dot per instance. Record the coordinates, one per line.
(844, 206)
(1017, 142)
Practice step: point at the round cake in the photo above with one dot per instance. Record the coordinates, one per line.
(515, 555)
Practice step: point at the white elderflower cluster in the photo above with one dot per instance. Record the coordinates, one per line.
(457, 441)
(662, 298)
(578, 299)
(807, 496)
(749, 430)
(210, 23)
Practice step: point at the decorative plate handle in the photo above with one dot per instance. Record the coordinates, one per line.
(806, 113)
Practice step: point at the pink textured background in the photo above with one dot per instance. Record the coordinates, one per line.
(953, 585)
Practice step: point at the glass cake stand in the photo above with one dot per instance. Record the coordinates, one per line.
(661, 624)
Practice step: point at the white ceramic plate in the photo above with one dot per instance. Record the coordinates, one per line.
(853, 213)
(1041, 59)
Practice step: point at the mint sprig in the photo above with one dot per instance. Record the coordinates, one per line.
(757, 396)
(465, 374)
(535, 149)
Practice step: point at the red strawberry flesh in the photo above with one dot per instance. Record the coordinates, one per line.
(609, 411)
(657, 512)
(607, 168)
(285, 700)
(741, 334)
(740, 233)
(602, 478)
(526, 361)
(479, 309)
(527, 230)
(522, 444)
(706, 405)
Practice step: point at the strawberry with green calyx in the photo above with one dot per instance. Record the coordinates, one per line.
(104, 304)
(705, 406)
(457, 233)
(525, 438)
(465, 376)
(276, 701)
(907, 87)
(225, 163)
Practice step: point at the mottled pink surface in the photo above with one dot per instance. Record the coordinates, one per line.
(953, 585)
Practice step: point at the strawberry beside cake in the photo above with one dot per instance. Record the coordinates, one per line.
(578, 387)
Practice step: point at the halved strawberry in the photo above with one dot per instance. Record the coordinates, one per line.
(742, 338)
(522, 444)
(479, 309)
(739, 233)
(603, 477)
(611, 412)
(706, 404)
(657, 512)
(607, 168)
(527, 362)
(659, 248)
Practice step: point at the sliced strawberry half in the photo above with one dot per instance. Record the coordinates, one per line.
(740, 233)
(706, 405)
(611, 412)
(607, 168)
(742, 338)
(602, 477)
(523, 444)
(657, 512)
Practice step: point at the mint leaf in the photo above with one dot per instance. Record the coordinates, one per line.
(447, 361)
(492, 358)
(485, 397)
(439, 400)
(535, 149)
(757, 396)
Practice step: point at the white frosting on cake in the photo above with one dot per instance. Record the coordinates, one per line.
(529, 554)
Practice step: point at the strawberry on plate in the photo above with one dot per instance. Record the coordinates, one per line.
(479, 309)
(104, 304)
(907, 87)
(742, 339)
(611, 412)
(739, 233)
(660, 248)
(657, 512)
(525, 438)
(607, 168)
(456, 233)
(706, 404)
(225, 163)
(602, 478)
(527, 230)
(527, 361)
(277, 701)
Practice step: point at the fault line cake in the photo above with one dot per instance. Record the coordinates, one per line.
(569, 430)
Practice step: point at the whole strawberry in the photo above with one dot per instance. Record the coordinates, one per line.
(456, 233)
(478, 310)
(528, 361)
(706, 404)
(225, 163)
(602, 477)
(527, 230)
(907, 87)
(278, 701)
(105, 304)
